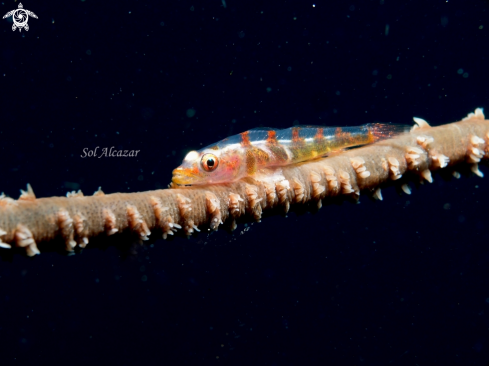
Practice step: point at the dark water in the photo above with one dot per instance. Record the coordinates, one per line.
(402, 282)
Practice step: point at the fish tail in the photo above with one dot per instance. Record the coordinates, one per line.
(383, 131)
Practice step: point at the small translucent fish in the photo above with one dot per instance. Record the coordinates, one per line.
(245, 154)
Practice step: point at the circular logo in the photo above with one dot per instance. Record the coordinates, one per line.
(20, 17)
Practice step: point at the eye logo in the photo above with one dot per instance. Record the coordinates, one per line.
(20, 17)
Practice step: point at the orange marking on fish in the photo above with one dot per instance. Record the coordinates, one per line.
(295, 134)
(319, 134)
(339, 134)
(194, 169)
(371, 136)
(272, 137)
(245, 139)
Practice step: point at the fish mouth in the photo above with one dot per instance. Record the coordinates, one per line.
(179, 178)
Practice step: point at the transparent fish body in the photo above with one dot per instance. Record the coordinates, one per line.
(247, 153)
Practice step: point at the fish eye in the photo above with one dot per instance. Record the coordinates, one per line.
(209, 162)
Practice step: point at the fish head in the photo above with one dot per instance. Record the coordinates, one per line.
(201, 167)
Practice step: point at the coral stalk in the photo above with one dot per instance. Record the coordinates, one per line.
(77, 218)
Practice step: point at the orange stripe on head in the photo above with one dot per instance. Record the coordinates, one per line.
(245, 138)
(272, 137)
(295, 134)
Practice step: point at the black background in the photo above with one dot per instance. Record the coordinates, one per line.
(403, 281)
